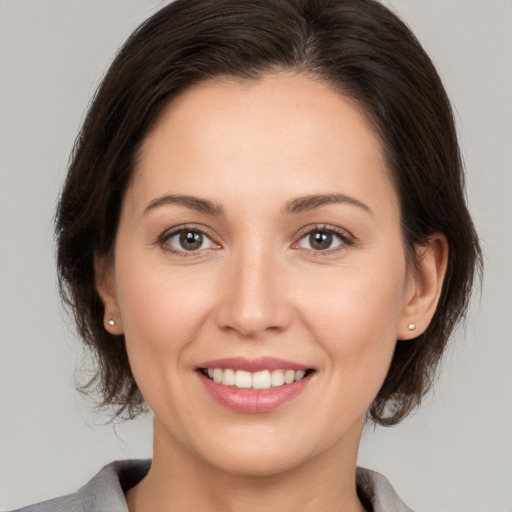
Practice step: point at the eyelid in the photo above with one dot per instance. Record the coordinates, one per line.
(345, 236)
(169, 233)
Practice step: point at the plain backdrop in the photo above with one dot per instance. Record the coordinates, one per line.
(453, 455)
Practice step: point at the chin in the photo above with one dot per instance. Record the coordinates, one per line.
(257, 462)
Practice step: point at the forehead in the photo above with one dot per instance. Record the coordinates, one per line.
(287, 132)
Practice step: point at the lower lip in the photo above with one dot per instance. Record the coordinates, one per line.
(253, 400)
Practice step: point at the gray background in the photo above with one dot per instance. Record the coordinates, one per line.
(453, 455)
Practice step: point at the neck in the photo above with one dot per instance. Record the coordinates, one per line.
(179, 480)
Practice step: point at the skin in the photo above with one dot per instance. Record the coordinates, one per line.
(257, 287)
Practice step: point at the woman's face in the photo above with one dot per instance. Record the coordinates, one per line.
(259, 242)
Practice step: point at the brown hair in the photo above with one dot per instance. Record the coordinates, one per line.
(358, 47)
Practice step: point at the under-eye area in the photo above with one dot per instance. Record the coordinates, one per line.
(264, 379)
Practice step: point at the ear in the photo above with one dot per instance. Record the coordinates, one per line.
(105, 285)
(425, 283)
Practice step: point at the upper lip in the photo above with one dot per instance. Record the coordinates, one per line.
(254, 365)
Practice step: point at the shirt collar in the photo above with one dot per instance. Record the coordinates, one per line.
(105, 492)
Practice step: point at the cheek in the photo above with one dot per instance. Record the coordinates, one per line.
(356, 318)
(162, 309)
(162, 313)
(357, 330)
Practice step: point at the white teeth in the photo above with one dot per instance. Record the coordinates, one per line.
(289, 376)
(228, 377)
(217, 375)
(243, 379)
(264, 379)
(277, 378)
(261, 380)
(299, 375)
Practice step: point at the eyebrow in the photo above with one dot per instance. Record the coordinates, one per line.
(298, 205)
(312, 202)
(192, 202)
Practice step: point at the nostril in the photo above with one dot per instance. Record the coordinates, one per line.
(252, 303)
(251, 332)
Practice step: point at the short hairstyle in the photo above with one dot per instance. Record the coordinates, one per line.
(358, 47)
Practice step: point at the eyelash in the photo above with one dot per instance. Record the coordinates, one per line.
(189, 228)
(346, 239)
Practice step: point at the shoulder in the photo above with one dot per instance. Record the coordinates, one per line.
(104, 493)
(377, 494)
(67, 503)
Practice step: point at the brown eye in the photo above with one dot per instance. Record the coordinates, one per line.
(320, 240)
(191, 240)
(188, 240)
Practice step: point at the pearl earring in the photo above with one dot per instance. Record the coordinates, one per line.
(411, 327)
(111, 323)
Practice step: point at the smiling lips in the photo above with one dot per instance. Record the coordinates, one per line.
(254, 386)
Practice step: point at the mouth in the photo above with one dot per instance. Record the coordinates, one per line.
(260, 380)
(254, 386)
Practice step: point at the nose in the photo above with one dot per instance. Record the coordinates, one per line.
(253, 303)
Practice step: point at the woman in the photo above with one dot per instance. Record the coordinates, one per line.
(264, 216)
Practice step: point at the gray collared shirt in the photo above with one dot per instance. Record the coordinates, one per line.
(105, 492)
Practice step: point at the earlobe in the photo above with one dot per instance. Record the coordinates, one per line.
(427, 279)
(105, 285)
